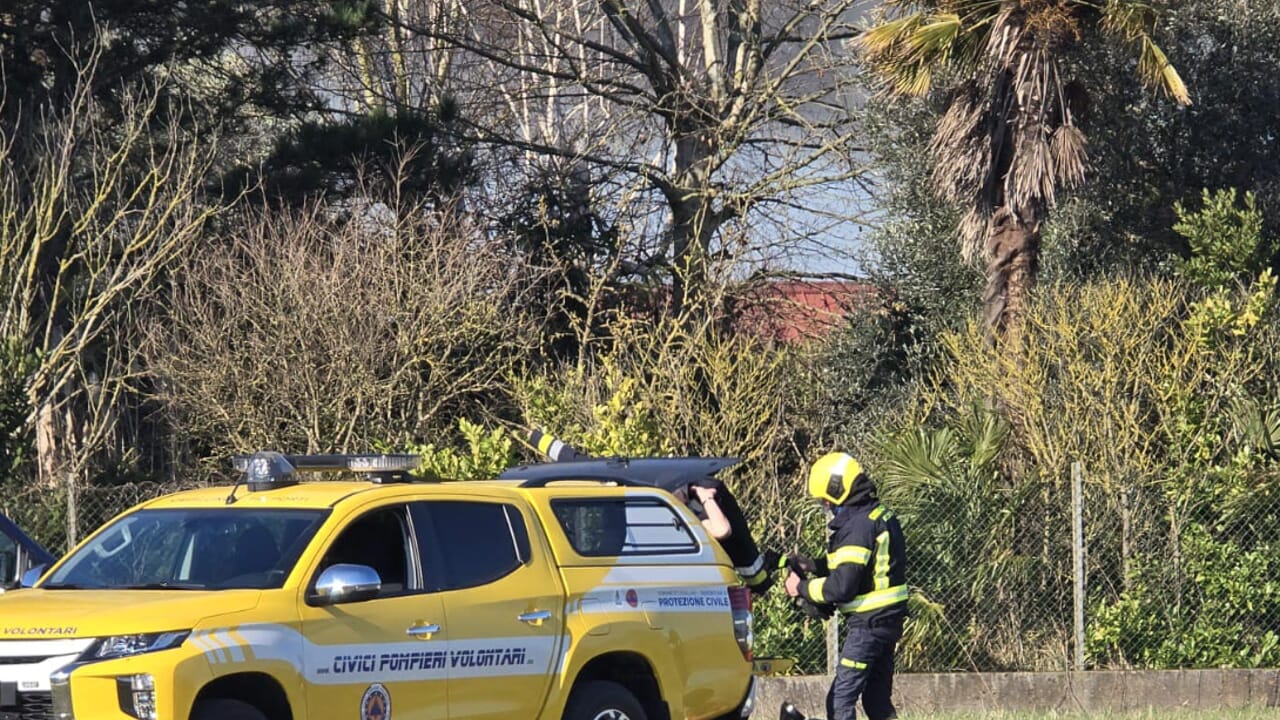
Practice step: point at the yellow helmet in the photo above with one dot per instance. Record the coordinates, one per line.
(833, 476)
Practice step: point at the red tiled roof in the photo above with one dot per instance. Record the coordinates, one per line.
(794, 310)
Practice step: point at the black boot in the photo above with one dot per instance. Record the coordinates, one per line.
(789, 712)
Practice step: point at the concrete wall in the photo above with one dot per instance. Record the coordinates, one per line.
(1096, 691)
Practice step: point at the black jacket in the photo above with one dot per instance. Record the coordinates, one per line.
(740, 546)
(865, 571)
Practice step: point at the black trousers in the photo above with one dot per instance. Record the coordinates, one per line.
(865, 671)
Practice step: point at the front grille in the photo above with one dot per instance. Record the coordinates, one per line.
(31, 706)
(35, 706)
(30, 660)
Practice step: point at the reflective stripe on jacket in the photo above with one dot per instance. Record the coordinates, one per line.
(865, 573)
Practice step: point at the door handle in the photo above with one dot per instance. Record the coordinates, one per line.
(422, 632)
(537, 617)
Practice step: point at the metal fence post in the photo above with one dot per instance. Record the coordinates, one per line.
(1077, 562)
(72, 519)
(833, 643)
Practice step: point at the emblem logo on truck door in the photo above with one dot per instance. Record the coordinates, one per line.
(376, 703)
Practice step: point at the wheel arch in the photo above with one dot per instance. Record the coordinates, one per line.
(255, 688)
(632, 671)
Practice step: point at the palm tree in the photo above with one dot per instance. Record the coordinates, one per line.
(1009, 139)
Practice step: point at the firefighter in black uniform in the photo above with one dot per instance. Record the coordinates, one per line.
(864, 577)
(713, 504)
(724, 520)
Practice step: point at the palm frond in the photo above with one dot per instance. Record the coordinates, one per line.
(918, 458)
(972, 45)
(1256, 425)
(888, 47)
(914, 80)
(935, 37)
(985, 432)
(888, 35)
(1007, 30)
(1156, 71)
(908, 50)
(974, 228)
(1029, 184)
(961, 145)
(1134, 21)
(1069, 148)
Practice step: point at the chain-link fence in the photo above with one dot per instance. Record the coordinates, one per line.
(1076, 574)
(60, 516)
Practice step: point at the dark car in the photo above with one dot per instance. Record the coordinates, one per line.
(18, 554)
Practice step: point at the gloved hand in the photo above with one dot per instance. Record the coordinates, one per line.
(802, 565)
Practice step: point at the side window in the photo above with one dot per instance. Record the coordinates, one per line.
(380, 540)
(475, 543)
(8, 562)
(598, 527)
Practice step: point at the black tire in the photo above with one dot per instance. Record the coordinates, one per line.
(226, 709)
(603, 700)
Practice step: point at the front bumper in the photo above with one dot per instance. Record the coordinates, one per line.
(25, 667)
(99, 690)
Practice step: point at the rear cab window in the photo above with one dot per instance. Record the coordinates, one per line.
(623, 526)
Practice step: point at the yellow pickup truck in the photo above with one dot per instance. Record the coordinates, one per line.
(570, 591)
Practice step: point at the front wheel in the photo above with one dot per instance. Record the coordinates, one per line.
(603, 700)
(226, 709)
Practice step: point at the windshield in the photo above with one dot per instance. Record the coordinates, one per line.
(198, 549)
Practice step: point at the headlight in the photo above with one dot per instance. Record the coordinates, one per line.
(118, 646)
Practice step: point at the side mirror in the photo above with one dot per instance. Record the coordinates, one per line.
(32, 576)
(344, 583)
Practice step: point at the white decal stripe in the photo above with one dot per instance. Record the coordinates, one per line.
(240, 643)
(414, 660)
(237, 655)
(682, 599)
(273, 642)
(200, 640)
(663, 575)
(219, 653)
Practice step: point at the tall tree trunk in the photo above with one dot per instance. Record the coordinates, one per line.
(694, 222)
(57, 442)
(50, 317)
(1013, 260)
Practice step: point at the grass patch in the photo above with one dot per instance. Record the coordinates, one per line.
(1152, 714)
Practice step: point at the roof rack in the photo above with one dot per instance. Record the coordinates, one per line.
(666, 473)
